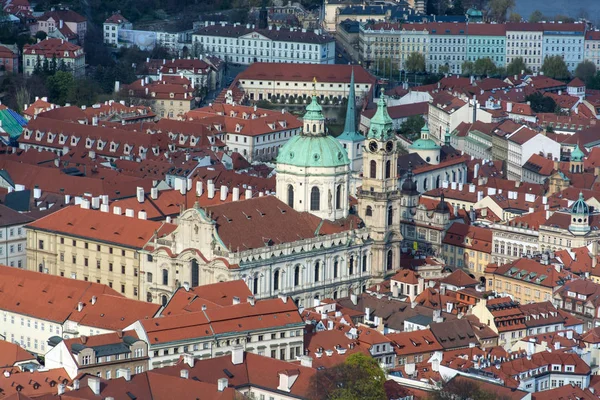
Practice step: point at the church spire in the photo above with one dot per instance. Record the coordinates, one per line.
(350, 125)
(381, 126)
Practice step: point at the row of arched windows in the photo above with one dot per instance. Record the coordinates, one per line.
(373, 169)
(315, 197)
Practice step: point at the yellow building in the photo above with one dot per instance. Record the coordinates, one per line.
(91, 245)
(526, 280)
(469, 247)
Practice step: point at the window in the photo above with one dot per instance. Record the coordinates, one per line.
(338, 197)
(296, 275)
(389, 259)
(110, 267)
(41, 244)
(317, 271)
(390, 215)
(315, 199)
(165, 277)
(290, 196)
(373, 169)
(122, 269)
(276, 280)
(149, 277)
(388, 169)
(369, 211)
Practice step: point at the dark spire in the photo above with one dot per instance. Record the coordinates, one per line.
(263, 16)
(350, 125)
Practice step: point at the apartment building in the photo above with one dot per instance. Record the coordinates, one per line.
(503, 316)
(246, 44)
(523, 143)
(91, 245)
(486, 41)
(525, 40)
(110, 355)
(68, 22)
(111, 28)
(34, 307)
(13, 236)
(579, 297)
(516, 238)
(9, 59)
(592, 47)
(170, 97)
(565, 41)
(414, 347)
(204, 73)
(468, 246)
(67, 55)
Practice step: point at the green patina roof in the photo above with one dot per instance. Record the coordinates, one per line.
(473, 12)
(350, 134)
(577, 154)
(580, 206)
(424, 143)
(313, 151)
(381, 127)
(314, 111)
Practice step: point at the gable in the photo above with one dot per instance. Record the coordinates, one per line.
(254, 35)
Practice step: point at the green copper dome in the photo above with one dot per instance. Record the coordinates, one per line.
(381, 126)
(314, 111)
(580, 207)
(577, 154)
(313, 151)
(424, 143)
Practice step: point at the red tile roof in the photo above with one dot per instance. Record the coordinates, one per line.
(416, 342)
(523, 135)
(543, 275)
(116, 19)
(52, 47)
(12, 353)
(324, 73)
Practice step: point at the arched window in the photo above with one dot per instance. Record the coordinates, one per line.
(163, 300)
(149, 277)
(390, 215)
(364, 262)
(317, 271)
(425, 184)
(315, 199)
(351, 266)
(255, 284)
(296, 275)
(149, 297)
(389, 259)
(165, 276)
(314, 127)
(276, 280)
(195, 273)
(388, 168)
(453, 176)
(338, 197)
(335, 268)
(290, 196)
(369, 211)
(437, 182)
(373, 170)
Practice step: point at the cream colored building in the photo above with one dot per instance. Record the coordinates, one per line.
(90, 245)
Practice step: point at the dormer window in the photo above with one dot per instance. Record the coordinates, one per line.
(66, 54)
(74, 141)
(238, 128)
(193, 140)
(38, 135)
(113, 147)
(182, 138)
(172, 136)
(51, 137)
(126, 149)
(171, 95)
(62, 139)
(100, 145)
(155, 150)
(88, 143)
(283, 124)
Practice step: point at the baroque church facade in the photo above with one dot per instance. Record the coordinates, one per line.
(304, 242)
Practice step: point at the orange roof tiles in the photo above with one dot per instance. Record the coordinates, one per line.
(415, 342)
(324, 73)
(12, 353)
(51, 47)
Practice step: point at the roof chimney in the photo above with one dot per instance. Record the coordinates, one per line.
(154, 193)
(124, 373)
(117, 210)
(80, 306)
(235, 194)
(140, 194)
(248, 193)
(237, 355)
(199, 188)
(222, 384)
(184, 373)
(37, 192)
(211, 189)
(251, 300)
(94, 384)
(188, 359)
(224, 192)
(62, 386)
(94, 299)
(129, 213)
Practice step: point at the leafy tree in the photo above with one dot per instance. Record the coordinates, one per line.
(540, 103)
(59, 86)
(412, 125)
(586, 70)
(498, 9)
(536, 16)
(358, 378)
(468, 68)
(83, 91)
(516, 66)
(555, 67)
(564, 18)
(415, 62)
(444, 69)
(460, 388)
(457, 8)
(484, 66)
(41, 35)
(436, 7)
(514, 17)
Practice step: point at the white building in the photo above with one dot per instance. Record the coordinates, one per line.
(525, 40)
(13, 236)
(592, 47)
(245, 44)
(112, 26)
(522, 144)
(565, 41)
(447, 47)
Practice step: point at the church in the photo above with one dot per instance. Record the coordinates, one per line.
(305, 242)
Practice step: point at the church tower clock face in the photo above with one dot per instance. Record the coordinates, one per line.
(373, 146)
(389, 146)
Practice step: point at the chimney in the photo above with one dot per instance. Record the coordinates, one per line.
(94, 299)
(142, 214)
(188, 359)
(67, 198)
(184, 373)
(211, 189)
(96, 202)
(189, 184)
(236, 300)
(80, 306)
(140, 194)
(222, 384)
(129, 213)
(117, 210)
(251, 300)
(248, 193)
(62, 386)
(154, 193)
(37, 192)
(76, 384)
(224, 192)
(94, 385)
(186, 286)
(124, 373)
(237, 355)
(354, 298)
(236, 194)
(306, 361)
(199, 188)
(282, 297)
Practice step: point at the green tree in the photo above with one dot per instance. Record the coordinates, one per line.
(358, 378)
(540, 103)
(484, 66)
(415, 62)
(412, 125)
(41, 35)
(564, 18)
(82, 92)
(498, 9)
(468, 68)
(555, 67)
(586, 71)
(457, 8)
(444, 69)
(59, 86)
(516, 66)
(536, 16)
(459, 388)
(514, 17)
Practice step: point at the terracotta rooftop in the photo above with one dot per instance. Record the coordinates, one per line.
(325, 73)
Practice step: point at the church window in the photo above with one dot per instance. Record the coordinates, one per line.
(314, 128)
(388, 168)
(165, 277)
(296, 275)
(335, 268)
(317, 271)
(351, 266)
(369, 211)
(425, 185)
(276, 280)
(149, 297)
(389, 259)
(255, 284)
(364, 262)
(290, 196)
(315, 199)
(437, 182)
(373, 170)
(390, 215)
(338, 197)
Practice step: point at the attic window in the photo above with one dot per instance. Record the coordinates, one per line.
(62, 138)
(171, 95)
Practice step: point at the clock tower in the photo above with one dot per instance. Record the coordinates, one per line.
(379, 197)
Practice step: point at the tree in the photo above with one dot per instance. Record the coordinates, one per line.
(517, 66)
(457, 8)
(41, 35)
(540, 103)
(586, 70)
(358, 378)
(444, 69)
(484, 66)
(515, 17)
(536, 16)
(59, 86)
(468, 68)
(564, 18)
(555, 67)
(415, 62)
(412, 125)
(498, 9)
(459, 388)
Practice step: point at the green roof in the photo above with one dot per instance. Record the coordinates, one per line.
(10, 123)
(313, 151)
(350, 134)
(424, 144)
(314, 111)
(577, 154)
(381, 126)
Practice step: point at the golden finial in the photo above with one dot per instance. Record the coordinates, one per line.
(315, 86)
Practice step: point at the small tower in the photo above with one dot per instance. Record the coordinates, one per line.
(447, 137)
(410, 196)
(351, 139)
(576, 164)
(442, 212)
(580, 217)
(426, 147)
